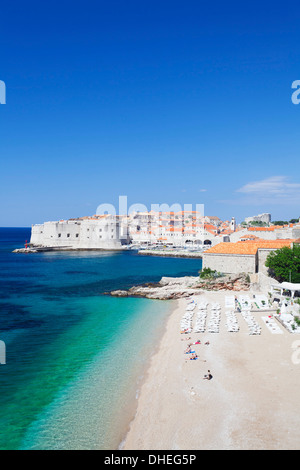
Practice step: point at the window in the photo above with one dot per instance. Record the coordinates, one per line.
(68, 235)
(77, 235)
(59, 235)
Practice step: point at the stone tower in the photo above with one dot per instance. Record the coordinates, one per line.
(233, 224)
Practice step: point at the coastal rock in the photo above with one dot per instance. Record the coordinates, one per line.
(119, 293)
(236, 282)
(25, 250)
(169, 288)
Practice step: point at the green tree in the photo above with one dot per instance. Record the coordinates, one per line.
(284, 264)
(280, 222)
(207, 273)
(258, 223)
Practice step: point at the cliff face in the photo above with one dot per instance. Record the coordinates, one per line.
(174, 288)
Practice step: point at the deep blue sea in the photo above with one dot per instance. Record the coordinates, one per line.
(74, 357)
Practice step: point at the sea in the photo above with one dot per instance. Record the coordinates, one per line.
(75, 356)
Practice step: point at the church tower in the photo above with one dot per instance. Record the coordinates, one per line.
(233, 224)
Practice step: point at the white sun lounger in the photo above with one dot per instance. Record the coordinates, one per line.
(272, 325)
(230, 302)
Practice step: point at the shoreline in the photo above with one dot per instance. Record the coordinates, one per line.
(251, 402)
(144, 377)
(160, 253)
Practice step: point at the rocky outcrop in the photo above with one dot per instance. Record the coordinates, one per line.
(176, 287)
(234, 282)
(25, 250)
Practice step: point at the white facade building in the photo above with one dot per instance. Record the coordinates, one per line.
(79, 234)
(113, 232)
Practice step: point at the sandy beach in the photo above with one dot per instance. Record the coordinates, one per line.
(252, 401)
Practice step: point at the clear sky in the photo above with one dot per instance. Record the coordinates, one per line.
(162, 101)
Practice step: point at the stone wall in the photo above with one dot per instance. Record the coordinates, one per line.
(262, 256)
(230, 263)
(56, 234)
(83, 234)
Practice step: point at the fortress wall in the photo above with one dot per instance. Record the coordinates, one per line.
(100, 234)
(56, 234)
(230, 263)
(84, 234)
(37, 234)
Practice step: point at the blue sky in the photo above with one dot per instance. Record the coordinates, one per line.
(164, 102)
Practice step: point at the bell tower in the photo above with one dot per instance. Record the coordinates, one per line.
(233, 224)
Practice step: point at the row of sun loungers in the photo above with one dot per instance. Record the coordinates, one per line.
(186, 323)
(201, 316)
(231, 321)
(213, 326)
(254, 328)
(199, 323)
(215, 318)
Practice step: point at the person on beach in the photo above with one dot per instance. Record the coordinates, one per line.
(208, 376)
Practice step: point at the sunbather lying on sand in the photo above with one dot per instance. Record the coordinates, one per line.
(193, 357)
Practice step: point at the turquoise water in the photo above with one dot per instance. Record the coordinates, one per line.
(74, 356)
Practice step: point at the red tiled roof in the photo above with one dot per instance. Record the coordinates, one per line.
(248, 247)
